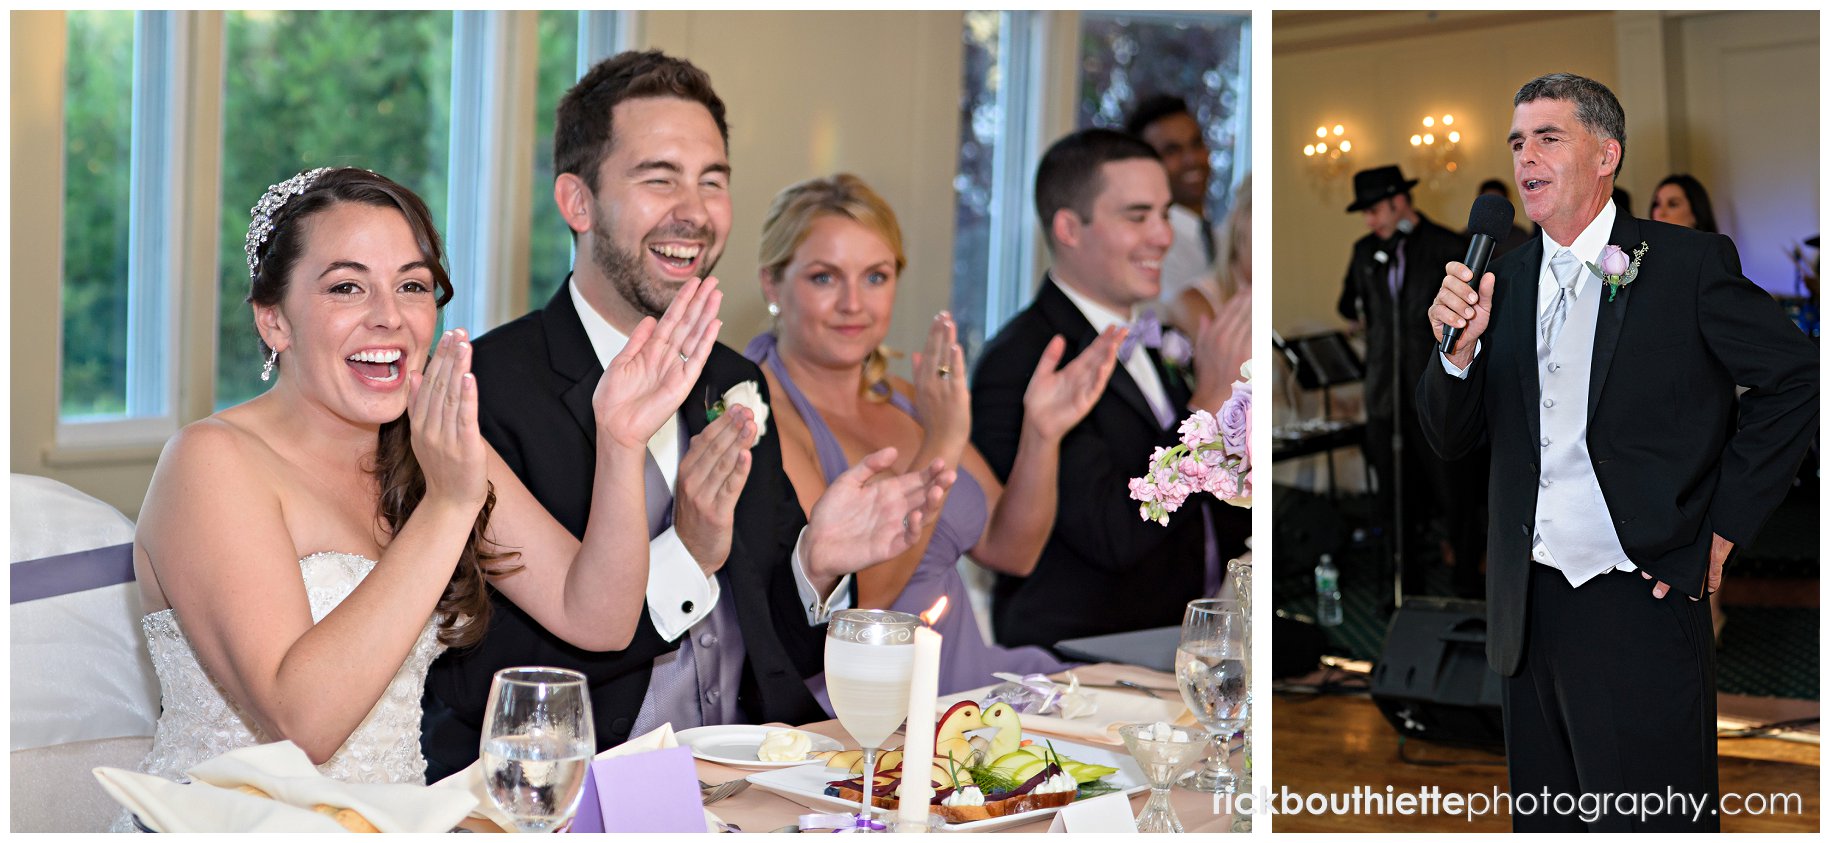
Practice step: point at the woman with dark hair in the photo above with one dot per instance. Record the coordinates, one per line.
(303, 556)
(1681, 200)
(830, 257)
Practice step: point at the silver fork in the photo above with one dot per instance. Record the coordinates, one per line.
(709, 793)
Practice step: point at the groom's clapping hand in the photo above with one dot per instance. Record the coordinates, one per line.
(712, 474)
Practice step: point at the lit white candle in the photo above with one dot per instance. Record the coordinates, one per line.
(918, 749)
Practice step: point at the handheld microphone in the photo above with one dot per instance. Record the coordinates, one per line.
(1488, 221)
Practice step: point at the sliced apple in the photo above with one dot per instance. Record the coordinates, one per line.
(1009, 726)
(962, 717)
(851, 759)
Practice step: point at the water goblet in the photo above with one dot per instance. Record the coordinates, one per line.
(538, 739)
(870, 659)
(1211, 663)
(1162, 752)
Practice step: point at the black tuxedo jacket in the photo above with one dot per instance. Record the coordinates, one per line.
(1104, 569)
(1367, 288)
(535, 377)
(1675, 460)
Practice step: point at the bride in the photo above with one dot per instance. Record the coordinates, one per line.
(305, 555)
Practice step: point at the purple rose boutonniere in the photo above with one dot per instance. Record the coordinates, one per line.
(1615, 270)
(1177, 353)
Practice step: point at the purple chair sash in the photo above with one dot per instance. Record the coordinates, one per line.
(36, 579)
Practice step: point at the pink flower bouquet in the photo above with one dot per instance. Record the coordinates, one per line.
(1214, 457)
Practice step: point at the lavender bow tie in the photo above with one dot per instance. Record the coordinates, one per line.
(1146, 330)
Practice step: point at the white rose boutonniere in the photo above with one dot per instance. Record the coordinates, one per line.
(746, 394)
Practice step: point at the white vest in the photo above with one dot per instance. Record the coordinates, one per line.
(1573, 530)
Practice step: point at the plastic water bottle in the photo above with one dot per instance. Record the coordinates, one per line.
(1327, 593)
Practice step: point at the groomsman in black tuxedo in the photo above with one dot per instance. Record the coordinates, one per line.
(1103, 199)
(1625, 472)
(740, 583)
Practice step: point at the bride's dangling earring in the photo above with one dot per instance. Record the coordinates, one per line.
(267, 370)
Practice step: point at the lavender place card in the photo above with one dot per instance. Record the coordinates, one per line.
(648, 792)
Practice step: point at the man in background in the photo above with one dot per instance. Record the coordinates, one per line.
(1391, 280)
(1104, 202)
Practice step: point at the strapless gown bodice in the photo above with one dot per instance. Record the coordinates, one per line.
(199, 722)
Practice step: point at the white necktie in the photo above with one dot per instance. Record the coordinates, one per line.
(1565, 267)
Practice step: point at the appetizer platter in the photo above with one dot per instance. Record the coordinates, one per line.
(986, 772)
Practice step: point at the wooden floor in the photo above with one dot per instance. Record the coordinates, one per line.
(1333, 744)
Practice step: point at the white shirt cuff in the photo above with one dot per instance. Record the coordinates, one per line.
(1452, 369)
(679, 592)
(818, 608)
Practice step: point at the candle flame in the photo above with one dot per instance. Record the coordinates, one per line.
(932, 615)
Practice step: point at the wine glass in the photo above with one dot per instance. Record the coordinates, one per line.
(870, 658)
(1211, 671)
(1162, 752)
(537, 742)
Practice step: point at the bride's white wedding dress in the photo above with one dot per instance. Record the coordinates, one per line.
(198, 722)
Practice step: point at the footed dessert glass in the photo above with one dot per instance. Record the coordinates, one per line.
(1163, 754)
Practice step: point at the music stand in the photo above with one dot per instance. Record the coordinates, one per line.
(1323, 361)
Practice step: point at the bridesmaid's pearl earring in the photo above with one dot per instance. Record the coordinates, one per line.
(775, 310)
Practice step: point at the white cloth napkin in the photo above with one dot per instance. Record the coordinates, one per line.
(470, 779)
(1114, 709)
(285, 773)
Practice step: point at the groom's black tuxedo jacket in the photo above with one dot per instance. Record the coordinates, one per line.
(1675, 460)
(535, 378)
(1104, 569)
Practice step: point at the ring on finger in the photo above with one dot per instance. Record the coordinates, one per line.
(683, 357)
(945, 372)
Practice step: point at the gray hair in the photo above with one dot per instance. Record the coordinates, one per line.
(1596, 106)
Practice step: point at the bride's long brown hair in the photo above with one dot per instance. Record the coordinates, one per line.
(464, 606)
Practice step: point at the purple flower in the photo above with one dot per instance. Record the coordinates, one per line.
(1176, 348)
(1235, 419)
(1613, 261)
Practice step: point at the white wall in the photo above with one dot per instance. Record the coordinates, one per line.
(1747, 128)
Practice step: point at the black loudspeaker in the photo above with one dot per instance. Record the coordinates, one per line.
(1432, 681)
(1296, 647)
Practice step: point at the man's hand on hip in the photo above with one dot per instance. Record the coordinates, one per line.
(1719, 548)
(712, 474)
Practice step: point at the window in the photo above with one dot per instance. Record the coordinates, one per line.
(293, 100)
(1204, 56)
(550, 246)
(98, 125)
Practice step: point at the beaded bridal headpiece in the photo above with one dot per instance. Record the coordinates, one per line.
(261, 222)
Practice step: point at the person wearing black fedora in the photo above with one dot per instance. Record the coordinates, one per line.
(1390, 283)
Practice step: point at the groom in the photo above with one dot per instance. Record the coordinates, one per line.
(1624, 471)
(740, 583)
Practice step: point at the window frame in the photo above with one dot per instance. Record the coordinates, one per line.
(174, 209)
(156, 200)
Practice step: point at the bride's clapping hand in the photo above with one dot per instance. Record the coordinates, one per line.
(645, 385)
(1057, 399)
(442, 408)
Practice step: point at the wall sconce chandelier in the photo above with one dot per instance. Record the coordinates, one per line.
(1329, 156)
(1438, 147)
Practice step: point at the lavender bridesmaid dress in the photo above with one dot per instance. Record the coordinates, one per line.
(967, 661)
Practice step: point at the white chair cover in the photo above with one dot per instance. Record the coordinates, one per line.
(83, 689)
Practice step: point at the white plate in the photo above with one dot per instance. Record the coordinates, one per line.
(809, 782)
(735, 745)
